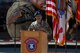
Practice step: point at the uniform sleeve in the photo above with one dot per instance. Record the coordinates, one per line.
(14, 16)
(27, 15)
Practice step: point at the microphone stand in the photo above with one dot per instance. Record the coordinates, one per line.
(14, 36)
(15, 39)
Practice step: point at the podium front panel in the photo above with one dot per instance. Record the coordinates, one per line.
(33, 42)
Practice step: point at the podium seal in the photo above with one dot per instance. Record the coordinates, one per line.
(31, 44)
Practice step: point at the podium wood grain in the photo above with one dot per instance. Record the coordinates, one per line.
(42, 45)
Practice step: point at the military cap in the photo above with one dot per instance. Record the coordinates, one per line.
(37, 13)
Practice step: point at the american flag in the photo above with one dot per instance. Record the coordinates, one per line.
(51, 8)
(58, 22)
(52, 11)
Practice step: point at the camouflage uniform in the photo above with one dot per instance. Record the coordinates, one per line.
(14, 29)
(36, 26)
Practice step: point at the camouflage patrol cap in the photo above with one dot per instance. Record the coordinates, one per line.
(37, 13)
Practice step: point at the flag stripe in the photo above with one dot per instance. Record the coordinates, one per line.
(58, 22)
(50, 9)
(53, 7)
(51, 14)
(50, 2)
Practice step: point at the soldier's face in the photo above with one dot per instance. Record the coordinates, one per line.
(41, 4)
(38, 18)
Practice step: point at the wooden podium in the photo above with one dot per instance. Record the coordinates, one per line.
(34, 42)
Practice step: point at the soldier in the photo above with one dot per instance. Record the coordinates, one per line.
(39, 24)
(20, 14)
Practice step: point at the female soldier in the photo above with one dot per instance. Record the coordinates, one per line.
(39, 24)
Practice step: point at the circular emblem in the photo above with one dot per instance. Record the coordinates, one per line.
(31, 44)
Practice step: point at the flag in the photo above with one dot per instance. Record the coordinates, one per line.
(76, 1)
(58, 22)
(52, 11)
(61, 28)
(78, 12)
(61, 37)
(51, 8)
(69, 13)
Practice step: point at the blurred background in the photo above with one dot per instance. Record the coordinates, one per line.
(7, 45)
